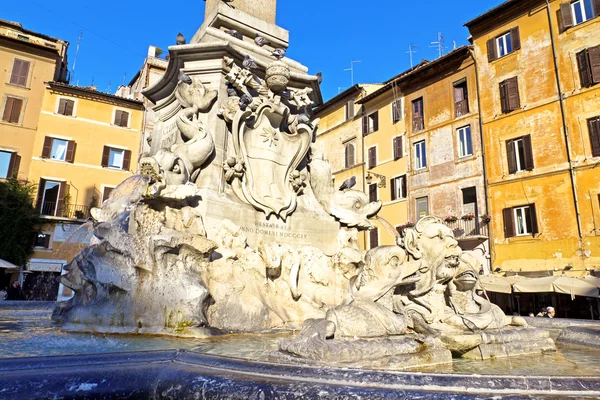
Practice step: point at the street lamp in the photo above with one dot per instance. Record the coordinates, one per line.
(369, 179)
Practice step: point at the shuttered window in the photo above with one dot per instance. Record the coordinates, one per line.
(20, 72)
(350, 110)
(594, 128)
(418, 123)
(373, 238)
(65, 107)
(12, 110)
(373, 192)
(59, 149)
(9, 164)
(576, 12)
(509, 95)
(520, 221)
(504, 44)
(121, 118)
(396, 111)
(520, 154)
(398, 149)
(398, 187)
(370, 123)
(116, 158)
(372, 157)
(588, 64)
(349, 155)
(461, 99)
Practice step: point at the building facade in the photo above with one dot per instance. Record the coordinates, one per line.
(539, 69)
(27, 60)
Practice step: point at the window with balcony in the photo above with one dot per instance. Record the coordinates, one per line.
(20, 72)
(50, 197)
(504, 44)
(461, 98)
(420, 155)
(58, 149)
(520, 154)
(116, 158)
(12, 110)
(465, 144)
(418, 121)
(370, 123)
(588, 63)
(520, 221)
(594, 129)
(398, 185)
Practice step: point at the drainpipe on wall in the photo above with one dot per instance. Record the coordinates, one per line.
(485, 180)
(362, 160)
(564, 122)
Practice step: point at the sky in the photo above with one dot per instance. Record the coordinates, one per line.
(325, 35)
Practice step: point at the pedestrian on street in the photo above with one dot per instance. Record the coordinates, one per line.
(15, 292)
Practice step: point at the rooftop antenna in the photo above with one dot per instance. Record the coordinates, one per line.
(411, 49)
(454, 45)
(439, 44)
(76, 52)
(351, 69)
(124, 76)
(108, 89)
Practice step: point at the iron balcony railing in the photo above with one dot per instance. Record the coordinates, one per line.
(468, 228)
(72, 211)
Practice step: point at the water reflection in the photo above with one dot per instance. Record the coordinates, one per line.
(26, 333)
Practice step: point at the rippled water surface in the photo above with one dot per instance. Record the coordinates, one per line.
(27, 333)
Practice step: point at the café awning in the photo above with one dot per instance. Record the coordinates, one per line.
(557, 284)
(499, 284)
(6, 265)
(593, 280)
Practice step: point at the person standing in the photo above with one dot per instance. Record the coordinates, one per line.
(550, 312)
(15, 292)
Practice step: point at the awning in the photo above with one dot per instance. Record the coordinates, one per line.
(5, 264)
(499, 284)
(592, 280)
(557, 284)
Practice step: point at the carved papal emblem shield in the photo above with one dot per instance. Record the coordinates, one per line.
(270, 155)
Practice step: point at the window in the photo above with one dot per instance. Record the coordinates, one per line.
(418, 123)
(50, 197)
(588, 63)
(116, 158)
(422, 206)
(398, 187)
(349, 155)
(465, 145)
(396, 110)
(12, 110)
(349, 110)
(397, 146)
(373, 238)
(65, 107)
(373, 192)
(575, 12)
(420, 156)
(121, 118)
(461, 99)
(20, 72)
(372, 157)
(106, 193)
(58, 149)
(370, 123)
(9, 164)
(42, 240)
(520, 154)
(594, 128)
(504, 44)
(520, 221)
(509, 95)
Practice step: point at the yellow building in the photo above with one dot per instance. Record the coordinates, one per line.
(539, 75)
(385, 150)
(87, 142)
(340, 137)
(27, 60)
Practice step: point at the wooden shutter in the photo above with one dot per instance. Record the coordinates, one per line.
(12, 110)
(47, 241)
(40, 195)
(373, 238)
(528, 152)
(126, 159)
(512, 94)
(585, 76)
(566, 16)
(61, 199)
(404, 191)
(510, 154)
(393, 189)
(70, 157)
(372, 192)
(349, 155)
(69, 105)
(398, 150)
(117, 120)
(372, 157)
(596, 4)
(105, 156)
(534, 222)
(509, 224)
(13, 166)
(8, 109)
(594, 128)
(503, 97)
(47, 149)
(375, 121)
(62, 105)
(365, 125)
(124, 118)
(491, 49)
(515, 38)
(20, 72)
(594, 59)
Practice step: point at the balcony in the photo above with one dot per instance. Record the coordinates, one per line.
(471, 229)
(70, 211)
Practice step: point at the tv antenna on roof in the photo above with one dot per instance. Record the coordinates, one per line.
(76, 53)
(439, 44)
(411, 49)
(351, 69)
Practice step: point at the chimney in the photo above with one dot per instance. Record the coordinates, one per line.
(151, 51)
